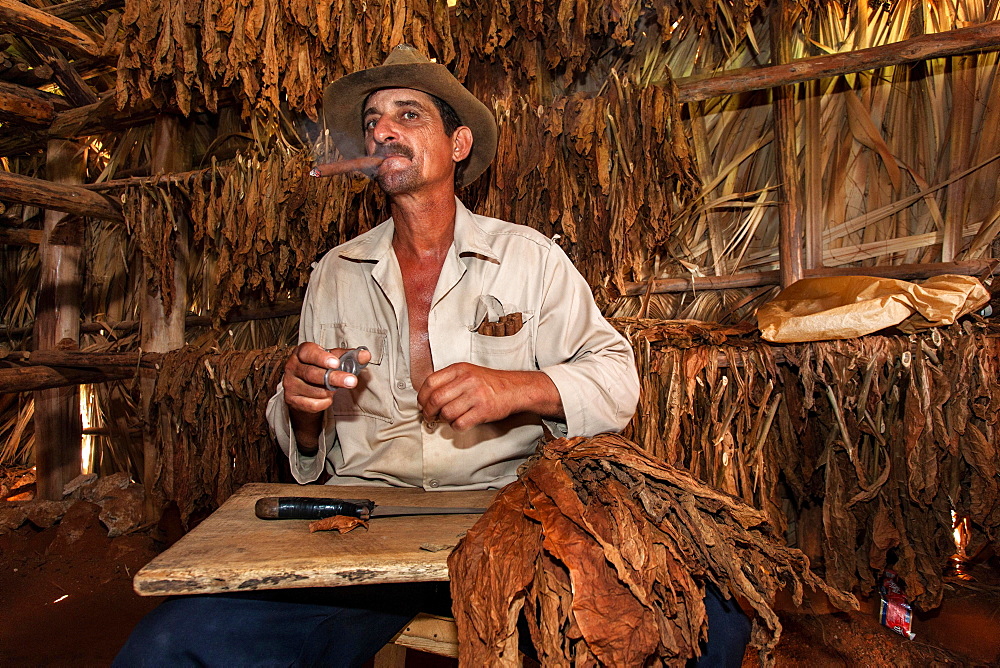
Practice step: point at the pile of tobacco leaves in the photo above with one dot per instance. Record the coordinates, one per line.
(607, 551)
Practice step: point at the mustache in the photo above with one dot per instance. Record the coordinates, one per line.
(393, 148)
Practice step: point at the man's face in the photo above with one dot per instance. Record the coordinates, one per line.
(404, 126)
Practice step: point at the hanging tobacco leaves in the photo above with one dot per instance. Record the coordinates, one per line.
(604, 172)
(259, 223)
(208, 408)
(269, 52)
(859, 449)
(607, 551)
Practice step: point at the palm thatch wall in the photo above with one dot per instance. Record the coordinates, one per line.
(894, 166)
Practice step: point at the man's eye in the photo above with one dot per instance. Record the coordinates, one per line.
(370, 123)
(410, 115)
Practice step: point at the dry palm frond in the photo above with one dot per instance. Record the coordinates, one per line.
(16, 429)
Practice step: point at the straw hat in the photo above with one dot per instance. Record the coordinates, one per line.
(408, 68)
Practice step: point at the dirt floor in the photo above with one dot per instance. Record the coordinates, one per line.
(66, 600)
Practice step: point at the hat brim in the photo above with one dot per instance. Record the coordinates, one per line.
(344, 98)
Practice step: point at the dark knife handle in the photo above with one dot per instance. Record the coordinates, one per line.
(309, 508)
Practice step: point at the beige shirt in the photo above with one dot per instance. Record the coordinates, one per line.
(374, 434)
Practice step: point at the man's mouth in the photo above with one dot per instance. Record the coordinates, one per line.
(392, 150)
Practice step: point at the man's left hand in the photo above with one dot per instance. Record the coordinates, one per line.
(465, 395)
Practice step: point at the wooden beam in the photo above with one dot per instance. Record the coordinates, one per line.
(83, 360)
(57, 410)
(18, 378)
(77, 8)
(279, 310)
(903, 272)
(18, 237)
(57, 196)
(982, 37)
(92, 119)
(22, 105)
(32, 76)
(24, 20)
(789, 205)
(65, 75)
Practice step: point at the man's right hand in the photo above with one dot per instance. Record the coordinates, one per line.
(305, 392)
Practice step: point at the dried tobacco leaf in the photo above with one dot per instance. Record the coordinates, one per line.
(339, 523)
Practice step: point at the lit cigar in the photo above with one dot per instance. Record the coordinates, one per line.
(364, 165)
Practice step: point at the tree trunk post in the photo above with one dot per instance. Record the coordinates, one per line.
(789, 209)
(57, 325)
(160, 331)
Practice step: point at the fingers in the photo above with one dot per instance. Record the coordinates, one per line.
(309, 372)
(464, 395)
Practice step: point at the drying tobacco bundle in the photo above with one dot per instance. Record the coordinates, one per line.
(269, 51)
(209, 409)
(607, 551)
(258, 222)
(606, 172)
(860, 449)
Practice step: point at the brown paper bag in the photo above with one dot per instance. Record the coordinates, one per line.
(842, 307)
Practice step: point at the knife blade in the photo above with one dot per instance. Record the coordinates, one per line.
(315, 508)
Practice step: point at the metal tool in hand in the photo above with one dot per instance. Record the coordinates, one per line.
(348, 364)
(310, 508)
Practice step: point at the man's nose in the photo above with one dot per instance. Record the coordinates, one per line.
(384, 130)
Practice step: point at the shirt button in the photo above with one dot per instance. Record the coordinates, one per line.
(429, 426)
(400, 384)
(433, 483)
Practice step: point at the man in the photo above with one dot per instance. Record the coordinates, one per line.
(480, 334)
(440, 405)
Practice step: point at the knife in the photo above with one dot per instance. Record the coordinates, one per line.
(310, 508)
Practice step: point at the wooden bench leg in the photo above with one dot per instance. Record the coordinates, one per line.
(391, 656)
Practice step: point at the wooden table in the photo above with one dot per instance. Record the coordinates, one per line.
(233, 550)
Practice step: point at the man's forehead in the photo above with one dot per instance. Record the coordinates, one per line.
(397, 96)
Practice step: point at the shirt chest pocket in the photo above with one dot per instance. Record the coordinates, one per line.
(510, 353)
(372, 397)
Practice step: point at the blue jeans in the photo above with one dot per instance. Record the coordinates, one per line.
(341, 626)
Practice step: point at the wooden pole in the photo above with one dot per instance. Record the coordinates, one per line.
(789, 206)
(960, 131)
(903, 272)
(812, 200)
(159, 330)
(982, 37)
(100, 117)
(48, 194)
(21, 19)
(57, 326)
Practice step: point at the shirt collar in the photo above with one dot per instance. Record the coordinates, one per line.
(470, 239)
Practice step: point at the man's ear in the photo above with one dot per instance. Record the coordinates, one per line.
(462, 141)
